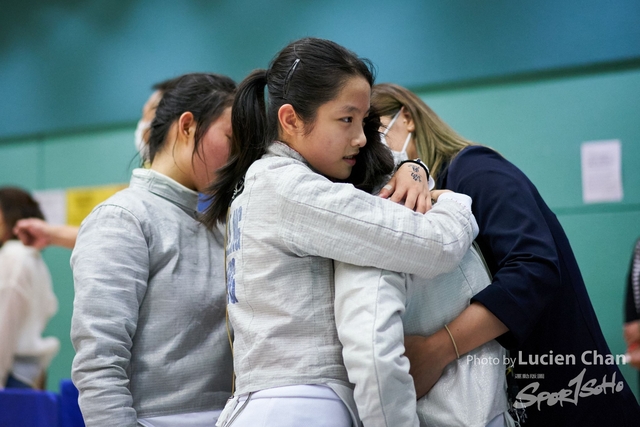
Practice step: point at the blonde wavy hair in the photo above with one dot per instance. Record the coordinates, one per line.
(436, 142)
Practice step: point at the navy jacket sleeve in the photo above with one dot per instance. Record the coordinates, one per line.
(514, 237)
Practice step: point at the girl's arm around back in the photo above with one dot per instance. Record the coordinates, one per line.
(337, 221)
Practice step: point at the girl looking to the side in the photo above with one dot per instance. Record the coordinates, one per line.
(293, 210)
(149, 311)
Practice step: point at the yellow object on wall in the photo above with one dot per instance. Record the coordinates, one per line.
(81, 201)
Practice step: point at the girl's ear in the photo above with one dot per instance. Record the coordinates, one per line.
(186, 125)
(406, 117)
(290, 123)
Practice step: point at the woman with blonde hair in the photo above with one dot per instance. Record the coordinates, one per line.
(537, 304)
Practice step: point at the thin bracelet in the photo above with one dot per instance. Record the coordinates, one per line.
(455, 347)
(417, 162)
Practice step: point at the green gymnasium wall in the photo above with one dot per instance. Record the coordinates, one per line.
(73, 64)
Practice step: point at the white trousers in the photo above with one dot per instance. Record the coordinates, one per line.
(290, 406)
(192, 419)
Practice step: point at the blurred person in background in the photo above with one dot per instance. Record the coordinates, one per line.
(27, 301)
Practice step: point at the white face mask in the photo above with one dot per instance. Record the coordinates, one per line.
(398, 156)
(141, 144)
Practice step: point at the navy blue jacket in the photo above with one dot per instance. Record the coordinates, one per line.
(539, 294)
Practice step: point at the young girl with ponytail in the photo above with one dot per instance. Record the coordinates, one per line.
(291, 195)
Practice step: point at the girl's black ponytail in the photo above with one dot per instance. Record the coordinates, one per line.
(248, 143)
(306, 74)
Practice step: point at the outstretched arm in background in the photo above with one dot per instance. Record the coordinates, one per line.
(40, 234)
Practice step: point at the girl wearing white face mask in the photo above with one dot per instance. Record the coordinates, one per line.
(141, 129)
(141, 135)
(402, 155)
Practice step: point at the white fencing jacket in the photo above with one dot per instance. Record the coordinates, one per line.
(148, 320)
(376, 308)
(284, 231)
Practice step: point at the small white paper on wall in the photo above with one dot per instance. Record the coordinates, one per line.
(53, 204)
(601, 171)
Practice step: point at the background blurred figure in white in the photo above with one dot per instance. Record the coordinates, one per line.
(27, 301)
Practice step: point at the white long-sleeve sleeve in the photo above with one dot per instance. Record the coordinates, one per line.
(369, 304)
(110, 270)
